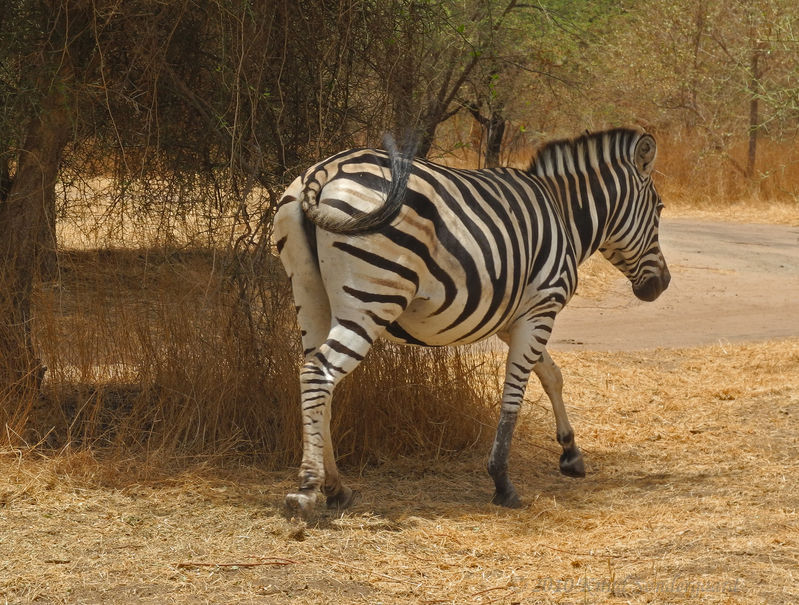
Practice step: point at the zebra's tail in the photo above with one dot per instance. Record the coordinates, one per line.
(359, 223)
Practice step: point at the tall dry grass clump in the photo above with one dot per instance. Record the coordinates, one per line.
(195, 352)
(694, 171)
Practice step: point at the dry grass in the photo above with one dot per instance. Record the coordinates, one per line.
(752, 210)
(692, 171)
(691, 496)
(175, 352)
(699, 183)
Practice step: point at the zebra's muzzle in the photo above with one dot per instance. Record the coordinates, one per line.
(649, 289)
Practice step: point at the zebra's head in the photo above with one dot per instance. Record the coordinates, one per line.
(632, 244)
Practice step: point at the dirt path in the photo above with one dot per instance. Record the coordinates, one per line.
(730, 283)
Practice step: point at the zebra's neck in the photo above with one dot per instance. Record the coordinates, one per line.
(587, 178)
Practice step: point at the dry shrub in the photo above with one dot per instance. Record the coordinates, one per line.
(16, 405)
(409, 400)
(196, 352)
(162, 351)
(695, 172)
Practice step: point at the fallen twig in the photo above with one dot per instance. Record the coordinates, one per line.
(584, 554)
(263, 561)
(374, 573)
(493, 588)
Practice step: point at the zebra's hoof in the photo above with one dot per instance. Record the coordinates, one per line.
(301, 503)
(571, 463)
(508, 499)
(343, 499)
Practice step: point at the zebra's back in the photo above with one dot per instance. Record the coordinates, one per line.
(467, 252)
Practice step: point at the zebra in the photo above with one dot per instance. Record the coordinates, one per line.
(377, 244)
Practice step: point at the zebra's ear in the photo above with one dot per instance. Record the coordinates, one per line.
(644, 154)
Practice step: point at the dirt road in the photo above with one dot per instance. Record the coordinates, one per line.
(730, 283)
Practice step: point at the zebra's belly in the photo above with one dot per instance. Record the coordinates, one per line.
(421, 325)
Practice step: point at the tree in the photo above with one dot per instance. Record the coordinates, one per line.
(535, 67)
(193, 103)
(725, 70)
(179, 97)
(428, 57)
(29, 195)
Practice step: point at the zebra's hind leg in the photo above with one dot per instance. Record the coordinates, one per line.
(342, 351)
(337, 495)
(571, 460)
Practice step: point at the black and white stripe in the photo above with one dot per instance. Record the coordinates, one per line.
(379, 245)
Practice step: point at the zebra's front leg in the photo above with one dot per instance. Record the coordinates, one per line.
(504, 492)
(551, 378)
(521, 360)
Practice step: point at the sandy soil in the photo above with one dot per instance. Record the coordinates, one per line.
(730, 283)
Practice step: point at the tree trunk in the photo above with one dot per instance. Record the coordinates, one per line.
(758, 38)
(5, 177)
(46, 244)
(22, 219)
(495, 132)
(493, 127)
(425, 137)
(754, 86)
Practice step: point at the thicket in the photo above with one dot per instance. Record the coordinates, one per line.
(144, 146)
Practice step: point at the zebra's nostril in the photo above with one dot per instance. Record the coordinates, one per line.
(652, 287)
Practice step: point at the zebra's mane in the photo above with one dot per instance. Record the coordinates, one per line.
(546, 158)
